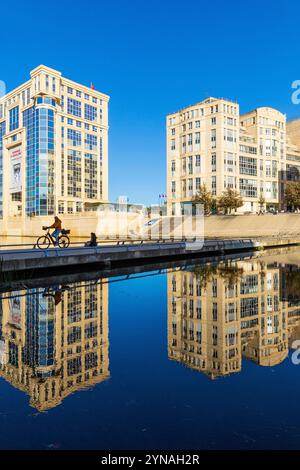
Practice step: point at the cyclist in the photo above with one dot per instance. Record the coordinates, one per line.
(57, 225)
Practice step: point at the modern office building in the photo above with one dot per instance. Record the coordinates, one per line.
(54, 342)
(211, 143)
(53, 147)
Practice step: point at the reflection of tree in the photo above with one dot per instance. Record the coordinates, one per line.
(292, 281)
(231, 273)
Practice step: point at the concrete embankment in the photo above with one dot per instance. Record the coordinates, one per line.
(116, 255)
(279, 226)
(217, 226)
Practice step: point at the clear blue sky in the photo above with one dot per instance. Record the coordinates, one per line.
(152, 58)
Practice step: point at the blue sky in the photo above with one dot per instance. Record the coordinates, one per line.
(152, 58)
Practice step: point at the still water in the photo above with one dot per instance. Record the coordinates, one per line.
(193, 357)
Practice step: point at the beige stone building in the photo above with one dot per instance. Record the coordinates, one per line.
(53, 147)
(218, 315)
(54, 342)
(211, 143)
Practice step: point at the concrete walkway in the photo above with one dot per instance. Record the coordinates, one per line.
(116, 255)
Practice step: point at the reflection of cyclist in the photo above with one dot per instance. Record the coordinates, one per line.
(55, 292)
(58, 227)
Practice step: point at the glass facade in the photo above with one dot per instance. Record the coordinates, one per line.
(90, 112)
(90, 181)
(39, 124)
(74, 173)
(39, 338)
(46, 100)
(14, 118)
(74, 107)
(53, 146)
(2, 133)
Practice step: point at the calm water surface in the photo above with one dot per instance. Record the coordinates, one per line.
(194, 358)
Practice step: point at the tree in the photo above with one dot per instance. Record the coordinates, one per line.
(292, 194)
(205, 197)
(231, 273)
(205, 273)
(230, 200)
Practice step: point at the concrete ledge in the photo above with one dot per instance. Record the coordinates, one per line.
(106, 256)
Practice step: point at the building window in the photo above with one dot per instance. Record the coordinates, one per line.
(74, 138)
(74, 107)
(74, 173)
(90, 179)
(90, 142)
(190, 165)
(61, 207)
(213, 137)
(70, 211)
(198, 184)
(248, 166)
(173, 189)
(198, 163)
(14, 118)
(214, 185)
(213, 162)
(90, 112)
(248, 188)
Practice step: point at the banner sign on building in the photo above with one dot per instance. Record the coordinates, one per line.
(15, 310)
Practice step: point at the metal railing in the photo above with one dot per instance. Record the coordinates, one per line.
(111, 241)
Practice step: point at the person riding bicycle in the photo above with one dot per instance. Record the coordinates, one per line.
(57, 225)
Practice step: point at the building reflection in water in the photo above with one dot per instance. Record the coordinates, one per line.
(54, 342)
(217, 314)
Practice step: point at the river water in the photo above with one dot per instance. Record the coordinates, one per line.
(199, 356)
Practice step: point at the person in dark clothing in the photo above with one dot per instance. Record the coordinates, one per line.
(92, 241)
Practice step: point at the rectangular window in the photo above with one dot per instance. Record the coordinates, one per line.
(74, 107)
(213, 162)
(248, 188)
(90, 112)
(213, 137)
(14, 118)
(214, 185)
(90, 142)
(248, 166)
(74, 138)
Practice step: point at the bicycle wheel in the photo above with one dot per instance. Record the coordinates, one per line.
(63, 241)
(43, 242)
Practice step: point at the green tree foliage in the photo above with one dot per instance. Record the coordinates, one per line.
(230, 200)
(292, 194)
(205, 197)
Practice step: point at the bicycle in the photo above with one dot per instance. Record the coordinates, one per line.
(44, 242)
